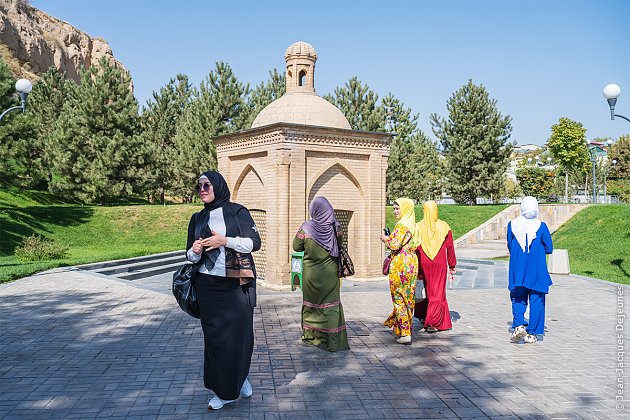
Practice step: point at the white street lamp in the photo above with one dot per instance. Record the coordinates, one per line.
(611, 93)
(23, 88)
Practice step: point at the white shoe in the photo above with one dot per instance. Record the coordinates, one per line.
(246, 389)
(530, 339)
(217, 403)
(405, 339)
(519, 332)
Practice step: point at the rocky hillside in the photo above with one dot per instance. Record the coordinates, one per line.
(31, 41)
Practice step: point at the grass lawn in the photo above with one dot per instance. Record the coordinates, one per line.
(461, 219)
(91, 233)
(598, 240)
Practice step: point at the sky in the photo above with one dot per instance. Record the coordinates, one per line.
(539, 59)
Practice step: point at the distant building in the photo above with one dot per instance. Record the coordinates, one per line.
(520, 153)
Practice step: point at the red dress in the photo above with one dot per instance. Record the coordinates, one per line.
(434, 308)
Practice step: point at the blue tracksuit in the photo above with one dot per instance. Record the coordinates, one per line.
(529, 278)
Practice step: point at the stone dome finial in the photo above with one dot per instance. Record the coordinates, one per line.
(300, 49)
(300, 104)
(300, 58)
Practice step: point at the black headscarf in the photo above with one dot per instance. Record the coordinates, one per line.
(221, 198)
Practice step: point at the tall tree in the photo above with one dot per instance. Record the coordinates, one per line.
(46, 102)
(159, 121)
(218, 107)
(100, 155)
(414, 164)
(16, 135)
(474, 140)
(568, 146)
(620, 151)
(359, 104)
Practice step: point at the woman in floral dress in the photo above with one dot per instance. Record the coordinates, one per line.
(403, 270)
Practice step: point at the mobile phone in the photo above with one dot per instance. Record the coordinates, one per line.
(386, 231)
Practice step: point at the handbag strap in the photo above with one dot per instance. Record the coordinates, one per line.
(339, 246)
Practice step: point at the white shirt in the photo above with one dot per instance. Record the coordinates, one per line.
(217, 224)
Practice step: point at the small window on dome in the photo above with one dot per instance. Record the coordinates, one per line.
(302, 78)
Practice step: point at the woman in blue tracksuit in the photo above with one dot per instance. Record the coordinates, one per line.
(528, 240)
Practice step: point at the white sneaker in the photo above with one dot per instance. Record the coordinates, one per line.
(531, 339)
(519, 332)
(246, 389)
(217, 403)
(405, 339)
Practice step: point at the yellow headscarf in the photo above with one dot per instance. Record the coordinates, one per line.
(407, 214)
(430, 232)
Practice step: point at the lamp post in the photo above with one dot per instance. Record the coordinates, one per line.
(23, 87)
(611, 93)
(529, 161)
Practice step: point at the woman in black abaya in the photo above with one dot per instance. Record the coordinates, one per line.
(221, 239)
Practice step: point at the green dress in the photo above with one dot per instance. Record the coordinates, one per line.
(323, 323)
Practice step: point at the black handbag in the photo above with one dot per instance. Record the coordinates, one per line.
(184, 289)
(345, 266)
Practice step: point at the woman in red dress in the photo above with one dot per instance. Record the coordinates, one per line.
(436, 257)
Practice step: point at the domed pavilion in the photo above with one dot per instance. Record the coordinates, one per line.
(301, 146)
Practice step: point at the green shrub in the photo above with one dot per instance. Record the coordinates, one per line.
(36, 248)
(620, 188)
(535, 181)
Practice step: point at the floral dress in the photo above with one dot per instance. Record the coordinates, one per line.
(403, 272)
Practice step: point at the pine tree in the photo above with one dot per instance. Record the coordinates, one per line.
(359, 104)
(16, 135)
(7, 87)
(474, 140)
(159, 121)
(218, 107)
(567, 144)
(100, 156)
(414, 165)
(426, 169)
(46, 102)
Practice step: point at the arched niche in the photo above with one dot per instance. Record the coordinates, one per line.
(249, 189)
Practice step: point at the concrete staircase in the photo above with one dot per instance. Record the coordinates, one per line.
(488, 240)
(139, 267)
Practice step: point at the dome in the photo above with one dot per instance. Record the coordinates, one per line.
(302, 108)
(300, 49)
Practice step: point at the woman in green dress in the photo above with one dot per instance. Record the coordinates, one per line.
(323, 323)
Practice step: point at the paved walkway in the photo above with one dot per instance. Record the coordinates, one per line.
(76, 345)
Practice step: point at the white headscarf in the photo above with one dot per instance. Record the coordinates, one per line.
(526, 225)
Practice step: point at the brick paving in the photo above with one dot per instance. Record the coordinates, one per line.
(75, 345)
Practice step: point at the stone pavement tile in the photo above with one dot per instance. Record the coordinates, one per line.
(111, 355)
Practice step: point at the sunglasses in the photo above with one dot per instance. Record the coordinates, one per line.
(205, 186)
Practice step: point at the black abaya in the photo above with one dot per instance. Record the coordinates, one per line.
(227, 320)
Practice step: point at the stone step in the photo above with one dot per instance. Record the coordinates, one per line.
(150, 272)
(139, 267)
(143, 265)
(112, 263)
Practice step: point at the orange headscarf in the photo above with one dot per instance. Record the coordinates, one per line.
(430, 232)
